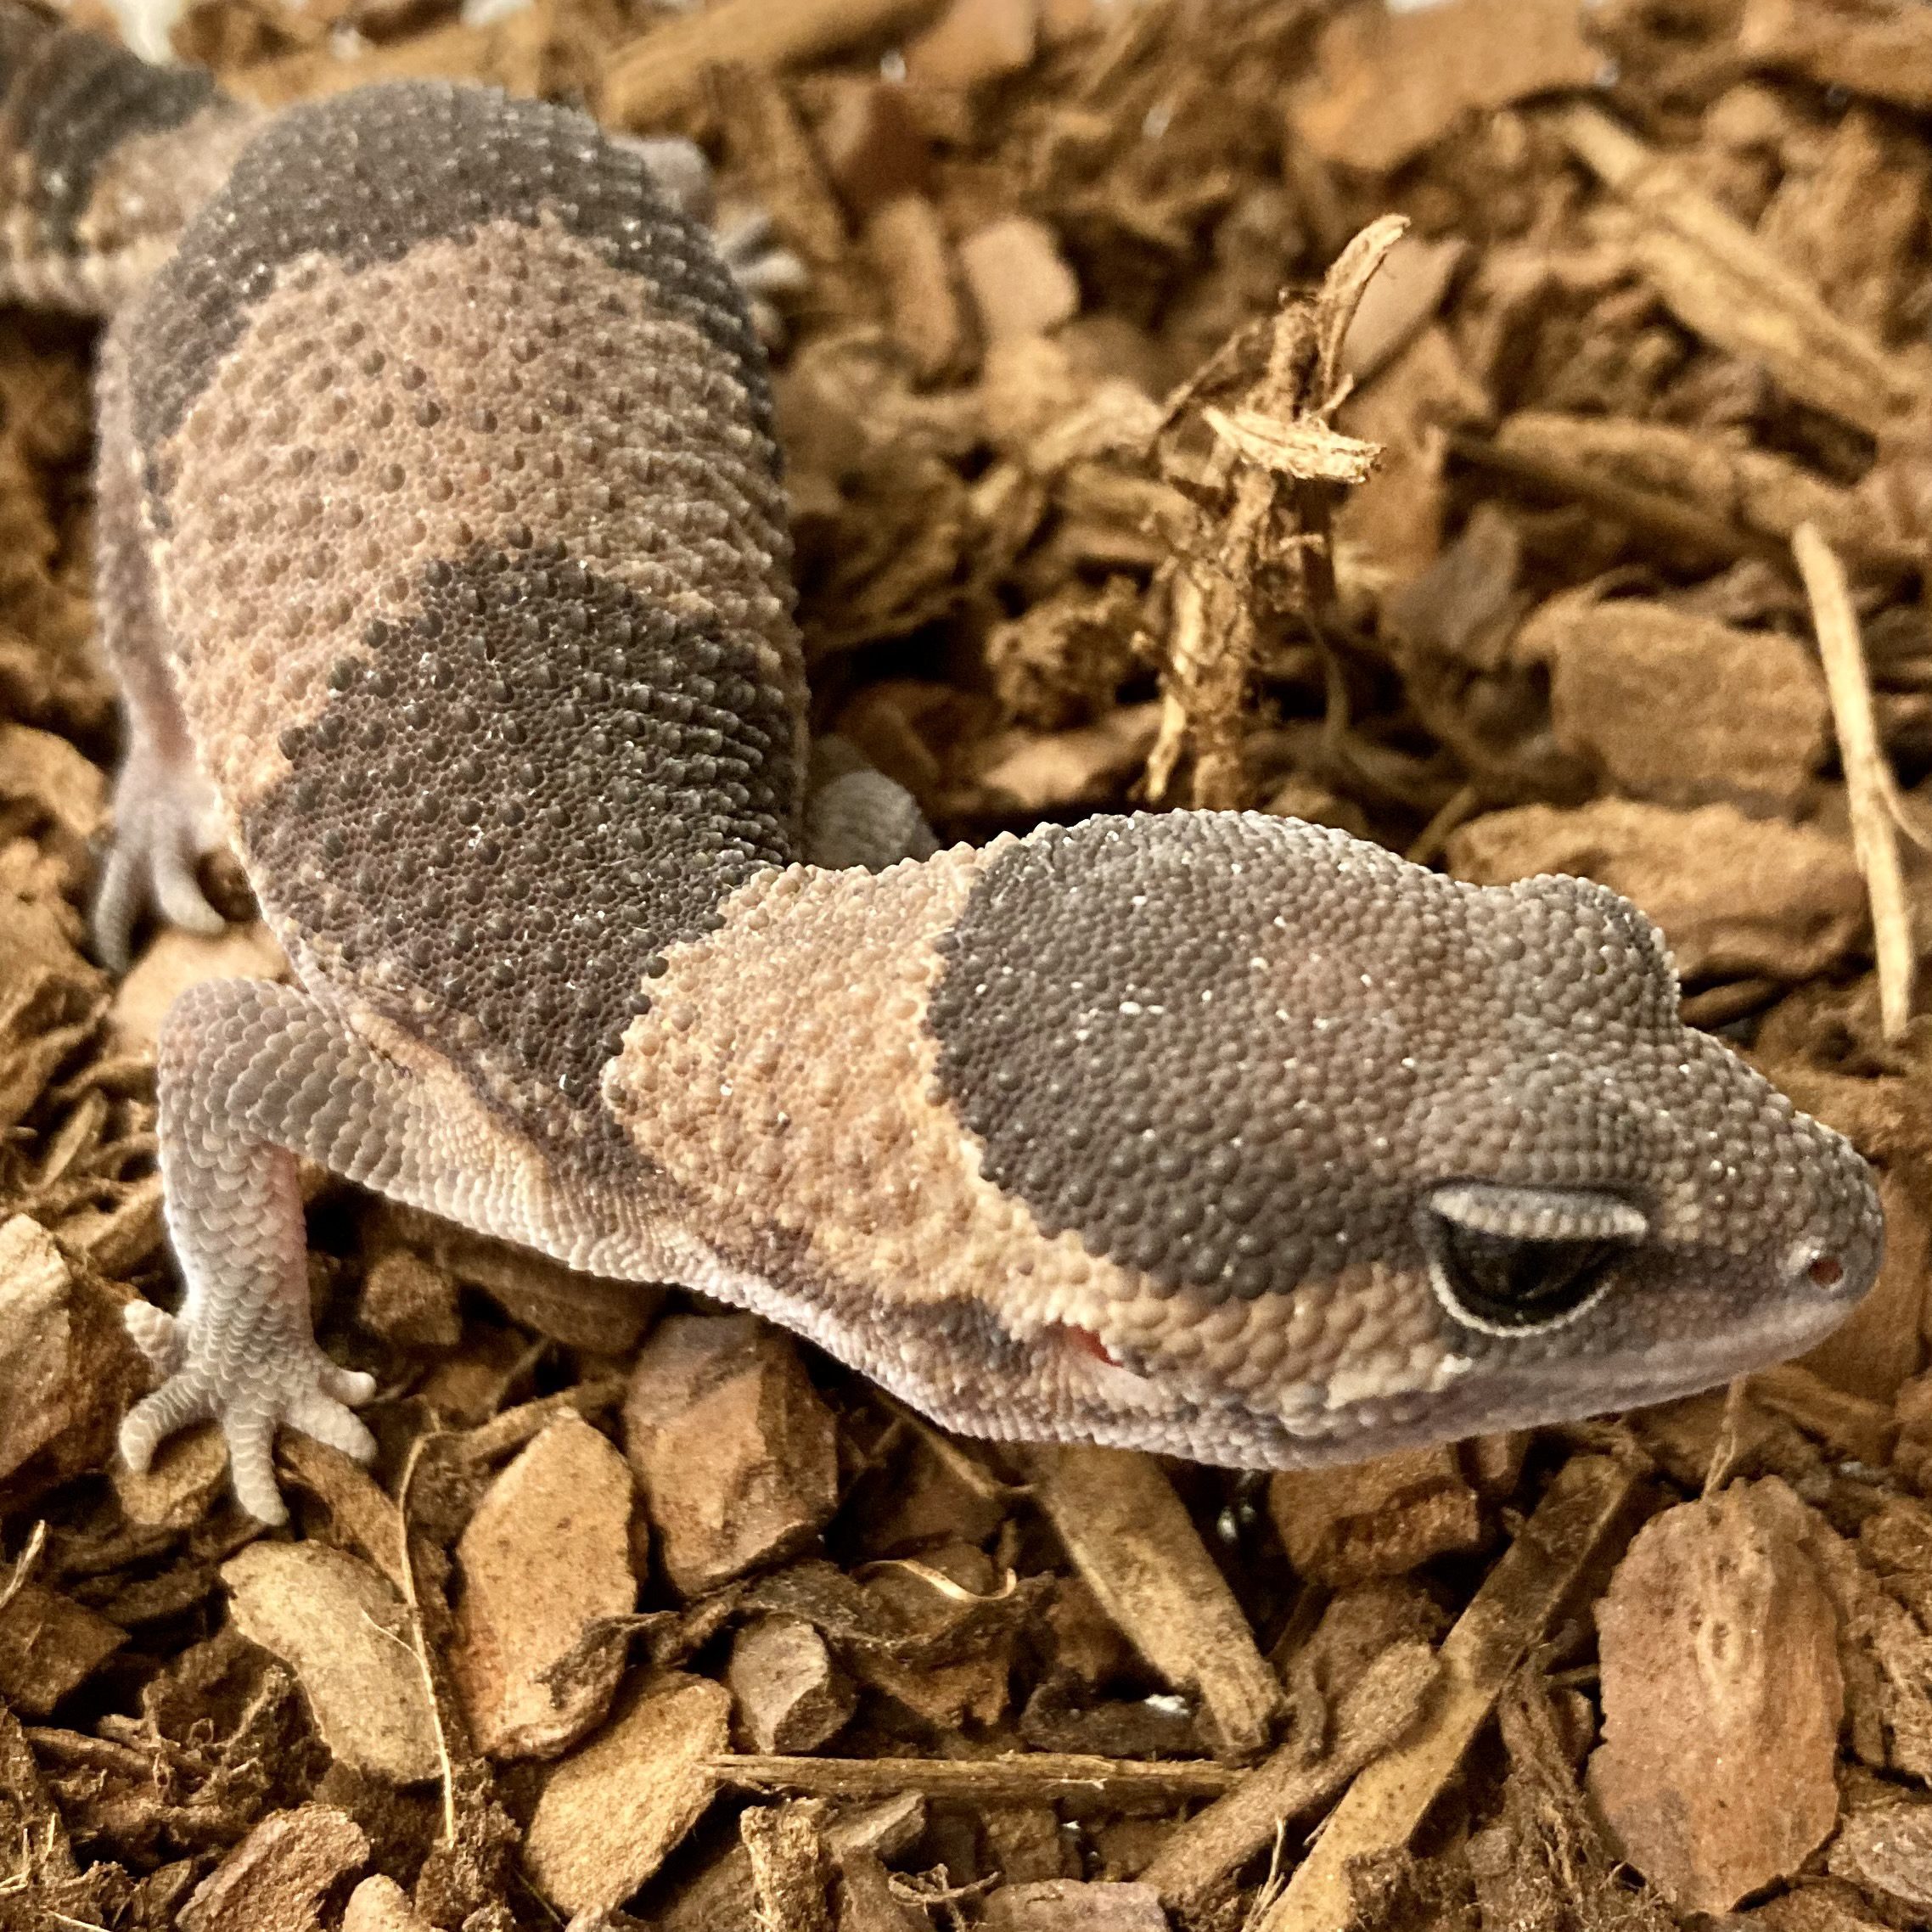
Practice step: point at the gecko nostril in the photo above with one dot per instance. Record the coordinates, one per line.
(1826, 1271)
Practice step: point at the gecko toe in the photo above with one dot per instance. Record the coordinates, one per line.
(177, 1402)
(328, 1421)
(305, 1391)
(178, 896)
(250, 1435)
(117, 905)
(163, 821)
(349, 1385)
(156, 1334)
(269, 1379)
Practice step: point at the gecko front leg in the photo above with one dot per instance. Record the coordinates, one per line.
(253, 1075)
(248, 1073)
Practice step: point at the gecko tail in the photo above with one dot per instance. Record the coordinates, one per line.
(104, 157)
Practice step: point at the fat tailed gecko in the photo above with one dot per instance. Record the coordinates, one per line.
(442, 556)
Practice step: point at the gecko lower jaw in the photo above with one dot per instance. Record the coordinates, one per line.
(1494, 1397)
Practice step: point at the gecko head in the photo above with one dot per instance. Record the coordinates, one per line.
(1343, 1155)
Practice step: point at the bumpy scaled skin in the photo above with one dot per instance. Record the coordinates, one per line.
(1232, 1137)
(440, 519)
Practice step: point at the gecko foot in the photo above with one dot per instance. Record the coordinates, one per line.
(165, 819)
(763, 267)
(251, 1382)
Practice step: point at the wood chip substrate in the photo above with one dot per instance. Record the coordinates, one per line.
(1499, 427)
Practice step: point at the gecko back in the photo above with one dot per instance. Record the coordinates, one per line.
(451, 441)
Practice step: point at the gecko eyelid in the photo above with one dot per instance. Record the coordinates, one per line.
(1539, 1214)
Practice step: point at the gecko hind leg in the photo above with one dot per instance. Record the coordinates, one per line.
(856, 816)
(250, 1075)
(760, 263)
(165, 816)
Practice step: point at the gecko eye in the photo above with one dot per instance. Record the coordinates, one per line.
(1509, 1261)
(1510, 1283)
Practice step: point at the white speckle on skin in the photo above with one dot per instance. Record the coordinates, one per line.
(1362, 1384)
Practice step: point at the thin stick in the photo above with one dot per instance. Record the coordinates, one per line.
(1460, 805)
(1136, 1547)
(419, 1641)
(1644, 510)
(1730, 1434)
(1875, 811)
(25, 1568)
(1026, 1775)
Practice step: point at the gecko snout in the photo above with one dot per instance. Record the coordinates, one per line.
(1838, 1268)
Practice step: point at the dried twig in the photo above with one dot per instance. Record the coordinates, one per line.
(1724, 1449)
(1582, 1517)
(1720, 280)
(1133, 1542)
(1200, 1860)
(1033, 1775)
(1645, 512)
(30, 1557)
(1729, 499)
(418, 1635)
(1269, 486)
(1876, 813)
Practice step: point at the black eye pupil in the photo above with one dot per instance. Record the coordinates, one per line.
(1516, 1283)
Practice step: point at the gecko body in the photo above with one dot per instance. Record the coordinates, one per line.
(444, 560)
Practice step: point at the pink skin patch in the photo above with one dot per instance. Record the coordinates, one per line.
(1084, 1341)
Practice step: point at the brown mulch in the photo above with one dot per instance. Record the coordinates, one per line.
(1574, 521)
